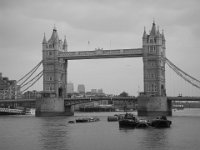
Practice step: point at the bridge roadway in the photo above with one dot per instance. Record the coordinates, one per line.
(184, 98)
(100, 53)
(74, 101)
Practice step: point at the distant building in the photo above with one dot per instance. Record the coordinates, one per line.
(70, 88)
(32, 94)
(8, 88)
(93, 91)
(100, 91)
(81, 88)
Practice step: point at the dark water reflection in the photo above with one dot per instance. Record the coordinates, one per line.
(54, 133)
(156, 138)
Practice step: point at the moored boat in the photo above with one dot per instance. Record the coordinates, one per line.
(112, 118)
(82, 120)
(142, 123)
(161, 122)
(9, 111)
(129, 121)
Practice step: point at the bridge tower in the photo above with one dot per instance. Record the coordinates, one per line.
(154, 100)
(54, 69)
(54, 77)
(154, 62)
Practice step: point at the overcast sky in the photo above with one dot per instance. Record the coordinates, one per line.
(107, 24)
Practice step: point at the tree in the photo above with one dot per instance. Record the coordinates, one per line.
(123, 94)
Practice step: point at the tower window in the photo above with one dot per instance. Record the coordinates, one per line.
(50, 53)
(50, 78)
(155, 88)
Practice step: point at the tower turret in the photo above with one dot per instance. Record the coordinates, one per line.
(158, 37)
(44, 42)
(153, 29)
(144, 37)
(65, 44)
(54, 40)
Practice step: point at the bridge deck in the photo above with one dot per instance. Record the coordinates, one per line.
(84, 100)
(99, 53)
(184, 98)
(74, 101)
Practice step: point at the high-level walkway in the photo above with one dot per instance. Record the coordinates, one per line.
(99, 53)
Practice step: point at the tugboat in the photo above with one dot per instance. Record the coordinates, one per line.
(129, 121)
(161, 122)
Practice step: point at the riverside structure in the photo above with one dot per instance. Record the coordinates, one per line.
(153, 101)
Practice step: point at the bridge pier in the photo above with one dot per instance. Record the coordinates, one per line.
(154, 106)
(49, 107)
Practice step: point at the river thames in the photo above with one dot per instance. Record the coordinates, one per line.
(55, 133)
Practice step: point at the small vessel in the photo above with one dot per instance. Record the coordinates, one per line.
(142, 123)
(30, 111)
(178, 107)
(129, 121)
(161, 122)
(112, 118)
(10, 111)
(82, 120)
(71, 121)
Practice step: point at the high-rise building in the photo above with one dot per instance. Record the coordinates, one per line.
(81, 88)
(70, 87)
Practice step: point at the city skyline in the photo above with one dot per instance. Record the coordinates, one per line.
(108, 25)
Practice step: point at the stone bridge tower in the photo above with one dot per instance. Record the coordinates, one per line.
(54, 78)
(154, 62)
(154, 100)
(54, 69)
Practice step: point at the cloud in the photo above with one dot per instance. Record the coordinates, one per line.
(106, 24)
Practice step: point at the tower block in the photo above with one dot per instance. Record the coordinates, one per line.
(54, 78)
(154, 101)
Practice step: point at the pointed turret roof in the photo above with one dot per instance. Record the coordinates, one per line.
(158, 32)
(54, 37)
(163, 36)
(153, 29)
(44, 40)
(65, 43)
(144, 33)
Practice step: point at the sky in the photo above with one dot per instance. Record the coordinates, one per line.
(107, 24)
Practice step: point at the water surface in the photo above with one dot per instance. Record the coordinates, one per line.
(51, 133)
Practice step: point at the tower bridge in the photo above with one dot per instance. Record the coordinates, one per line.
(55, 63)
(153, 101)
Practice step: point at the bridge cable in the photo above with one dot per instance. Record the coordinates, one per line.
(181, 70)
(32, 70)
(182, 74)
(31, 79)
(33, 82)
(186, 79)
